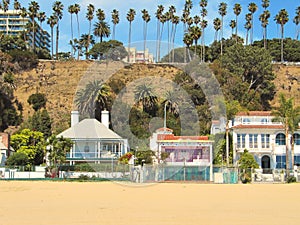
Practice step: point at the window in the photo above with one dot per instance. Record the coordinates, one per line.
(265, 140)
(253, 140)
(297, 160)
(264, 120)
(297, 139)
(241, 140)
(280, 139)
(246, 120)
(280, 162)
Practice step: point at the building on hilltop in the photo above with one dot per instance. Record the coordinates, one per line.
(93, 141)
(137, 56)
(265, 139)
(12, 23)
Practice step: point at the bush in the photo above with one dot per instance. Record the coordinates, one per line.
(291, 179)
(25, 59)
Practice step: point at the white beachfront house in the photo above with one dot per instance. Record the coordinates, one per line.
(93, 141)
(265, 139)
(183, 150)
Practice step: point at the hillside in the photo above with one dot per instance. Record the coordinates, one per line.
(59, 81)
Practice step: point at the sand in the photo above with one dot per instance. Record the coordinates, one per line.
(45, 202)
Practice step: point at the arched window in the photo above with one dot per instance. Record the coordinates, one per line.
(280, 139)
(297, 139)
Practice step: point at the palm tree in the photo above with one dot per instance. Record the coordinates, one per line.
(71, 11)
(264, 18)
(232, 26)
(146, 17)
(95, 92)
(237, 9)
(171, 103)
(163, 19)
(115, 20)
(101, 29)
(33, 8)
(85, 40)
(282, 18)
(158, 15)
(252, 7)
(23, 15)
(76, 11)
(217, 27)
(288, 115)
(203, 24)
(52, 21)
(265, 4)
(90, 17)
(144, 96)
(130, 17)
(222, 12)
(296, 20)
(248, 26)
(100, 14)
(175, 21)
(58, 12)
(41, 17)
(188, 40)
(195, 33)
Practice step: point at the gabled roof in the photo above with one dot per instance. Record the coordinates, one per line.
(89, 129)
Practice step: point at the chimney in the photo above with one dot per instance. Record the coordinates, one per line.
(105, 118)
(74, 118)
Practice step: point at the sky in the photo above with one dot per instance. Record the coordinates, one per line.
(151, 5)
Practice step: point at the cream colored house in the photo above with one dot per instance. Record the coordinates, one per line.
(265, 139)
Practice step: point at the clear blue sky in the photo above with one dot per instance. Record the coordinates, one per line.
(151, 5)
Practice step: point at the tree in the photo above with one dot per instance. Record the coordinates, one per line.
(58, 149)
(146, 17)
(52, 21)
(296, 20)
(23, 15)
(246, 163)
(175, 21)
(115, 20)
(264, 18)
(248, 25)
(158, 15)
(288, 115)
(237, 9)
(101, 29)
(94, 93)
(253, 67)
(130, 17)
(37, 101)
(58, 12)
(232, 26)
(71, 11)
(282, 18)
(33, 8)
(252, 7)
(203, 24)
(90, 17)
(195, 33)
(76, 11)
(31, 143)
(188, 40)
(144, 96)
(222, 12)
(18, 159)
(111, 49)
(41, 121)
(217, 27)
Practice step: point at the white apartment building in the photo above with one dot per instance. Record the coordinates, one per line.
(265, 139)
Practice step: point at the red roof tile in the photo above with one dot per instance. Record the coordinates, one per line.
(172, 137)
(263, 126)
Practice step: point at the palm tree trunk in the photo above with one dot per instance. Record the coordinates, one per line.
(222, 36)
(72, 34)
(227, 143)
(203, 47)
(281, 43)
(287, 161)
(129, 40)
(173, 41)
(184, 48)
(265, 39)
(145, 34)
(52, 43)
(57, 38)
(78, 26)
(292, 151)
(236, 25)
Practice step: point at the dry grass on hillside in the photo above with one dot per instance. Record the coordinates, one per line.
(60, 81)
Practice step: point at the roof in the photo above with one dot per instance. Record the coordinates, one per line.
(258, 126)
(254, 113)
(89, 129)
(172, 137)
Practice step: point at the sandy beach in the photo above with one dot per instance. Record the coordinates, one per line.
(45, 202)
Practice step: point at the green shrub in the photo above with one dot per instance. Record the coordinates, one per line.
(291, 179)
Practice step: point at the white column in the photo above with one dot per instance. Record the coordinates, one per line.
(211, 164)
